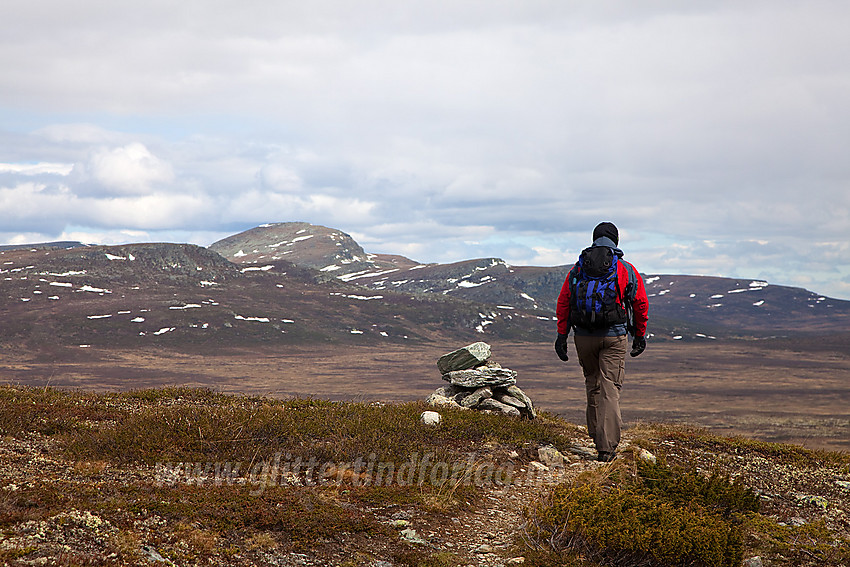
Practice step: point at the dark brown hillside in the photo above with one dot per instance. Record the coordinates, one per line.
(309, 245)
(745, 305)
(682, 307)
(304, 244)
(182, 296)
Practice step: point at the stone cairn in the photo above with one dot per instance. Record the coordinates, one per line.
(476, 382)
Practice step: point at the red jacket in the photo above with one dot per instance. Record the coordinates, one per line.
(626, 273)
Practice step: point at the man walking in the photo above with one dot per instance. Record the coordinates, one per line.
(603, 298)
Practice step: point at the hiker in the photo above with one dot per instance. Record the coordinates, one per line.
(603, 298)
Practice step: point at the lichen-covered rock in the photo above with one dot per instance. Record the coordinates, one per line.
(550, 456)
(583, 452)
(469, 356)
(410, 535)
(474, 398)
(645, 455)
(510, 400)
(480, 377)
(489, 404)
(444, 396)
(516, 392)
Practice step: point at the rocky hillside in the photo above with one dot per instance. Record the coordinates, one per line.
(187, 296)
(297, 283)
(682, 307)
(324, 249)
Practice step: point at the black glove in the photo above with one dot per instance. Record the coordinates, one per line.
(638, 345)
(561, 347)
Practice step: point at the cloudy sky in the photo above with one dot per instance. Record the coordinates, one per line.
(713, 133)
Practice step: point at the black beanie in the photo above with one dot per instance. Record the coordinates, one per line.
(607, 229)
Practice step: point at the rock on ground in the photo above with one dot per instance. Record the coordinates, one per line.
(430, 418)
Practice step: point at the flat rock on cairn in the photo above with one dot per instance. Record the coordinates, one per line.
(476, 382)
(481, 377)
(469, 356)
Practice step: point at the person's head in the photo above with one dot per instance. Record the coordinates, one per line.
(607, 229)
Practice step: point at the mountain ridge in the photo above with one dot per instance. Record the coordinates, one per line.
(686, 305)
(188, 296)
(295, 283)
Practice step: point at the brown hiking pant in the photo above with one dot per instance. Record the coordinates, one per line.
(603, 362)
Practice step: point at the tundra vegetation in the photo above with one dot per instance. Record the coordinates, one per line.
(195, 476)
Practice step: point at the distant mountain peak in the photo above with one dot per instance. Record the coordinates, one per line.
(313, 246)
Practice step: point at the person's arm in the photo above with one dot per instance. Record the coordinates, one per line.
(562, 311)
(640, 309)
(640, 306)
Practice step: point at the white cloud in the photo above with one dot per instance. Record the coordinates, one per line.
(105, 238)
(543, 257)
(79, 133)
(156, 211)
(280, 178)
(125, 170)
(41, 168)
(35, 207)
(256, 207)
(440, 130)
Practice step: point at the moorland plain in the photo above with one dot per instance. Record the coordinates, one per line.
(786, 392)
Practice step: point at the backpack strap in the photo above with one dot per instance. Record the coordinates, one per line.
(628, 298)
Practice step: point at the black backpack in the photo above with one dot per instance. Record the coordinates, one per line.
(595, 289)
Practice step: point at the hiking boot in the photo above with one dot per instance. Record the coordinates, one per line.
(606, 456)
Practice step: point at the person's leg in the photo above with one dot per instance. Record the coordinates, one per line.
(612, 359)
(588, 349)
